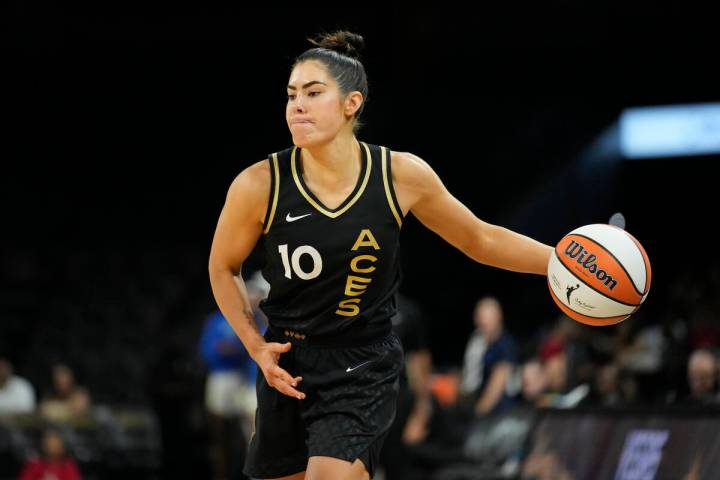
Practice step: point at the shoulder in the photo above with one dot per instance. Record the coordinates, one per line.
(20, 383)
(34, 464)
(413, 175)
(254, 177)
(409, 164)
(410, 168)
(30, 468)
(506, 343)
(252, 184)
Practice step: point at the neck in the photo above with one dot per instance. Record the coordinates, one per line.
(335, 162)
(491, 337)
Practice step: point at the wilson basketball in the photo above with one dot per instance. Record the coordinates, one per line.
(599, 274)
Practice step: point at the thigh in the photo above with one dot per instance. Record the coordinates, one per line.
(297, 476)
(353, 410)
(329, 468)
(277, 445)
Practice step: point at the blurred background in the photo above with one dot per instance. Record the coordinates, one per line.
(124, 128)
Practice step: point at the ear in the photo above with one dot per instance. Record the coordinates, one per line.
(353, 102)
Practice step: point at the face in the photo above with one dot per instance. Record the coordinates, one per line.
(53, 445)
(701, 375)
(533, 380)
(607, 379)
(316, 109)
(63, 379)
(556, 371)
(488, 318)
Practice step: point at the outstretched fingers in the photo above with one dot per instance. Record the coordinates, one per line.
(282, 381)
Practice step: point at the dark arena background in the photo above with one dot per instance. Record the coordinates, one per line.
(124, 129)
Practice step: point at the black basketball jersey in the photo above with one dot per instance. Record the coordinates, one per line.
(331, 270)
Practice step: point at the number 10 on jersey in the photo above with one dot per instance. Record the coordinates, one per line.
(294, 260)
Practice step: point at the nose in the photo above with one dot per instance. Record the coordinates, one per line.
(299, 105)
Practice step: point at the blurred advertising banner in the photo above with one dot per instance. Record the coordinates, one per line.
(670, 131)
(628, 445)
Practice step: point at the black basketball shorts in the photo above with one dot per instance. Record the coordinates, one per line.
(350, 401)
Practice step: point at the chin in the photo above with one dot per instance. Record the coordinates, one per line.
(306, 141)
(301, 143)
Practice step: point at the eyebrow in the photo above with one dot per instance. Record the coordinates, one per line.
(307, 85)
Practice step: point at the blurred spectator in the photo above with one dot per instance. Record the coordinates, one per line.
(16, 393)
(230, 396)
(607, 386)
(568, 337)
(68, 400)
(534, 382)
(556, 369)
(489, 356)
(629, 388)
(54, 464)
(482, 396)
(414, 404)
(555, 341)
(544, 462)
(643, 352)
(563, 392)
(702, 374)
(497, 442)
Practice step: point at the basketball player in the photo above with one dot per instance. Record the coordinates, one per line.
(328, 212)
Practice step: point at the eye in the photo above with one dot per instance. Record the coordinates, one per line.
(291, 96)
(314, 94)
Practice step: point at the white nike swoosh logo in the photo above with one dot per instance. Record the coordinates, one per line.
(350, 369)
(289, 218)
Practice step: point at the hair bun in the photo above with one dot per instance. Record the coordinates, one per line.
(342, 41)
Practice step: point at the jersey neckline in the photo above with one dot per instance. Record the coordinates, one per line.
(349, 201)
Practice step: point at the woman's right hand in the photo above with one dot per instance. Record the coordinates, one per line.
(267, 357)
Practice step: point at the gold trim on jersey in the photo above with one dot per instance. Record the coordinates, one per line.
(315, 204)
(386, 182)
(276, 189)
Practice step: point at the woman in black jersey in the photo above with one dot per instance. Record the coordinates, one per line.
(328, 213)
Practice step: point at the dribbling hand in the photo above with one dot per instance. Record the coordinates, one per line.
(267, 358)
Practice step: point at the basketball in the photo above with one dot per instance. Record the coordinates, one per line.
(599, 274)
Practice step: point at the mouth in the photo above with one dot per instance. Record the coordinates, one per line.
(300, 122)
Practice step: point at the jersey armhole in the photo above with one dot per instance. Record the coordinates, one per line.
(389, 189)
(274, 187)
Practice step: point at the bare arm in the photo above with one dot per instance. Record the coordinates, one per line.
(419, 371)
(495, 388)
(421, 191)
(238, 230)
